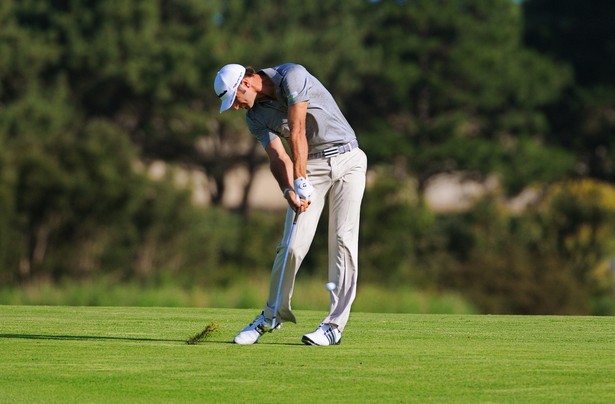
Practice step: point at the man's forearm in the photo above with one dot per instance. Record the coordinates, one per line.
(298, 140)
(282, 170)
(300, 151)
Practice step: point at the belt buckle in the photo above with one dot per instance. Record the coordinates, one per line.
(331, 152)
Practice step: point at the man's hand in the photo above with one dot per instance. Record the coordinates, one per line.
(294, 201)
(303, 188)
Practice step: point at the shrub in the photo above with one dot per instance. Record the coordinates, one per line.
(543, 261)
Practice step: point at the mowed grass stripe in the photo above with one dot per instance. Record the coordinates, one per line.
(128, 354)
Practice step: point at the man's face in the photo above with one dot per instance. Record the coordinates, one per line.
(245, 97)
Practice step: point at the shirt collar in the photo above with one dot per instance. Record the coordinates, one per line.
(276, 77)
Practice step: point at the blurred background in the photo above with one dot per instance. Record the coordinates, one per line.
(489, 127)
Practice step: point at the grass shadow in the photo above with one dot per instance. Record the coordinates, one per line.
(85, 338)
(134, 339)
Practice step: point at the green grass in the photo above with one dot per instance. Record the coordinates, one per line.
(139, 355)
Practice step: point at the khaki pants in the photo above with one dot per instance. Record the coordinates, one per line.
(342, 180)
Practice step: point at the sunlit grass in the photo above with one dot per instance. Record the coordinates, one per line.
(59, 354)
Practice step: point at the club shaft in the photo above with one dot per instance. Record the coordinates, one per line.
(283, 269)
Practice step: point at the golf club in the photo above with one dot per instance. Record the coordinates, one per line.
(277, 296)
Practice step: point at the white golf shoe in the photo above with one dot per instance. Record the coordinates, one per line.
(254, 330)
(325, 334)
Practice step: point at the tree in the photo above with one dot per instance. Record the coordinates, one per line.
(456, 90)
(579, 34)
(77, 82)
(144, 67)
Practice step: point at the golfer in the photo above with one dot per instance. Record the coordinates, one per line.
(325, 164)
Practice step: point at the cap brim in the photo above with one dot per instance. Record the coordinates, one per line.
(227, 102)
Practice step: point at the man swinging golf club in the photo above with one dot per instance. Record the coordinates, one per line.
(325, 161)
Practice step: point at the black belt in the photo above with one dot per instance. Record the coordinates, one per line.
(335, 150)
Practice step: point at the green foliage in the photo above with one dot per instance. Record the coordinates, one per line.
(295, 30)
(454, 73)
(90, 91)
(579, 35)
(580, 218)
(257, 241)
(7, 212)
(529, 162)
(547, 260)
(503, 272)
(398, 243)
(67, 190)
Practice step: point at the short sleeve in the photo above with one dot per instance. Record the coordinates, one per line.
(295, 85)
(260, 131)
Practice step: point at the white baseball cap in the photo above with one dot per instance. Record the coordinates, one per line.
(226, 83)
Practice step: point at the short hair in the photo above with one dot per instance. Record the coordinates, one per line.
(250, 71)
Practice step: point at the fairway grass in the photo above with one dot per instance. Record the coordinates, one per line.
(138, 355)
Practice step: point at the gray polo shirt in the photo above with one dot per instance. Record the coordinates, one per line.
(325, 125)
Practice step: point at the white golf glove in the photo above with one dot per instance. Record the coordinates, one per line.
(303, 188)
